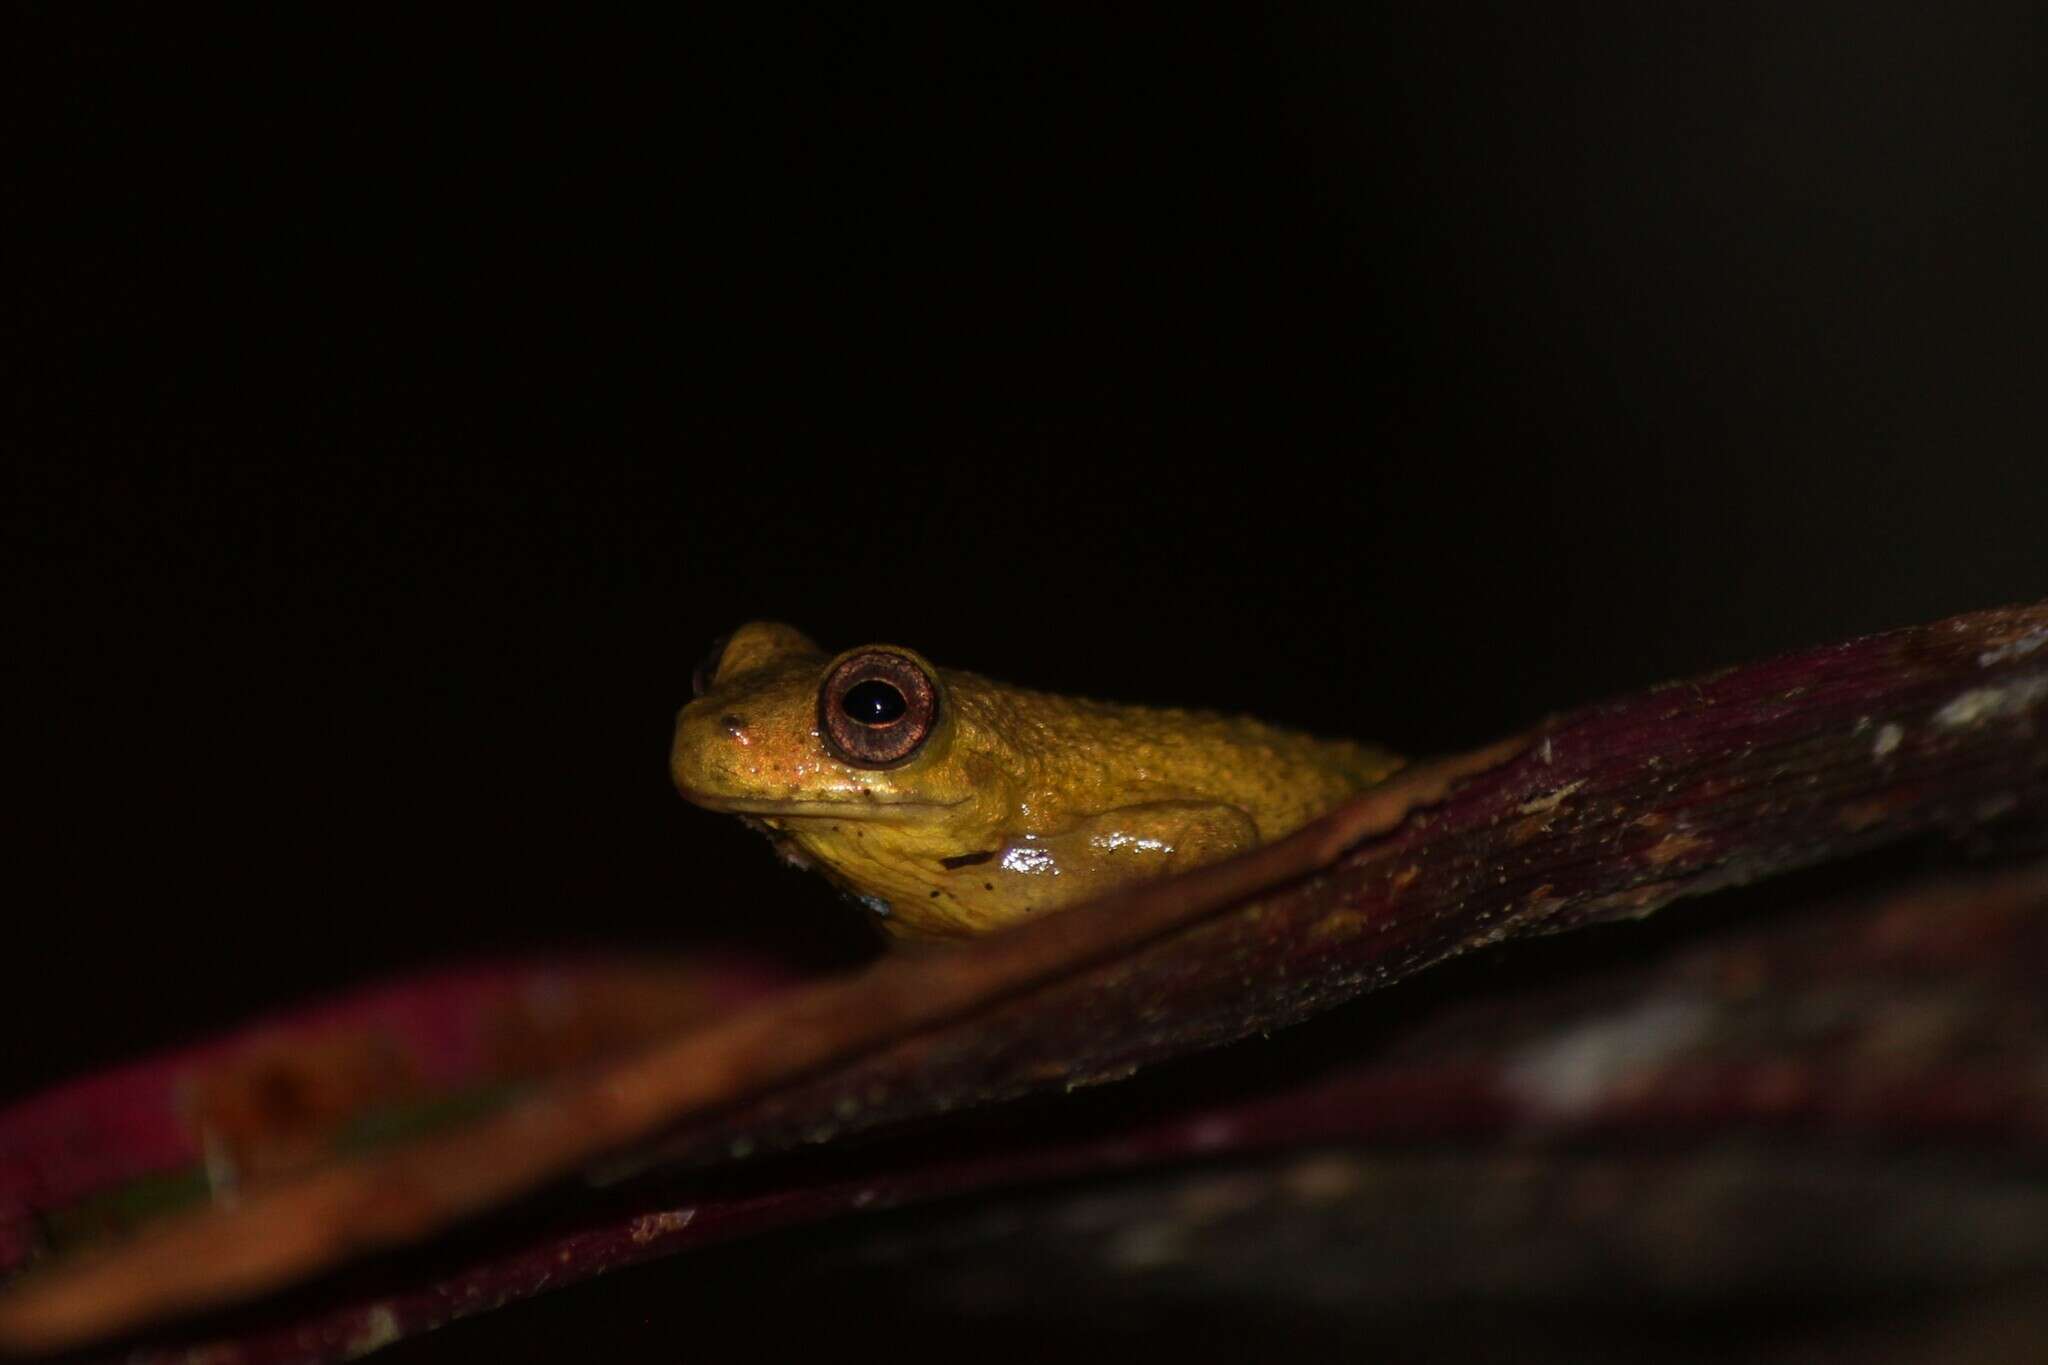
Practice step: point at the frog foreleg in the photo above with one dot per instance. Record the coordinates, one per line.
(1177, 834)
(1105, 850)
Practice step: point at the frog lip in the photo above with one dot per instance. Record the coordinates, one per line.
(837, 808)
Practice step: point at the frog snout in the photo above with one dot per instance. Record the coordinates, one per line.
(714, 753)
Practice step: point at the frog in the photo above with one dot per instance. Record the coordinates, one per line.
(952, 805)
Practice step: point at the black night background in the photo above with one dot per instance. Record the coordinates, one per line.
(395, 404)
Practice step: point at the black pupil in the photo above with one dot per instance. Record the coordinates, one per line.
(873, 702)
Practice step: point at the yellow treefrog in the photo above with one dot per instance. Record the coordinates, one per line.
(950, 804)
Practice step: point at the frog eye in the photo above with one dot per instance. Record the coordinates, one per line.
(876, 708)
(706, 671)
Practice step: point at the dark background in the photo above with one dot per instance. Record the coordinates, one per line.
(399, 406)
(396, 405)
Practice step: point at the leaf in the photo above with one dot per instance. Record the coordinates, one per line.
(1609, 812)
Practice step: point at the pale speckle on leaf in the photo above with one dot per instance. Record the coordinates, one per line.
(1980, 704)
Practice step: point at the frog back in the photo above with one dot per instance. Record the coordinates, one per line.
(1078, 758)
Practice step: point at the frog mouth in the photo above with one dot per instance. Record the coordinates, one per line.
(843, 808)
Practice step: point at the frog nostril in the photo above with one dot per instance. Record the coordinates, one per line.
(736, 726)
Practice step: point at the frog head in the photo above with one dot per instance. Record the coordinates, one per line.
(781, 730)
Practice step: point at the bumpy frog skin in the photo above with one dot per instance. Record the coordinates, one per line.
(951, 805)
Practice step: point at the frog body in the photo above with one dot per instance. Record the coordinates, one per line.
(951, 804)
